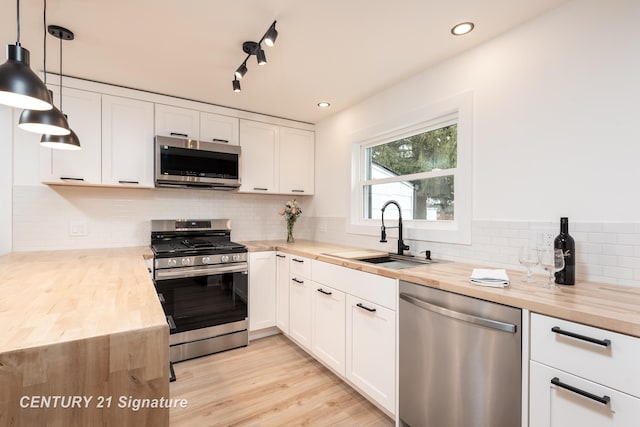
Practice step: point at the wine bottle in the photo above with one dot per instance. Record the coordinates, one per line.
(566, 276)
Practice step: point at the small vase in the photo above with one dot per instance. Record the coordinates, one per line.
(290, 232)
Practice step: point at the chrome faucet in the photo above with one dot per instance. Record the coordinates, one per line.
(383, 230)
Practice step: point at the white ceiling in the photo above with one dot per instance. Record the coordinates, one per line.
(341, 51)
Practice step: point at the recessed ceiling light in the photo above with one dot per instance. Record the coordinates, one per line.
(462, 28)
(324, 104)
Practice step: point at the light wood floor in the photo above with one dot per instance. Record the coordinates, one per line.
(271, 382)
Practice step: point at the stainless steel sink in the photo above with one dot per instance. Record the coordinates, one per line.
(396, 262)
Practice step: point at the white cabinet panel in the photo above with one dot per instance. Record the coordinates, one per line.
(177, 122)
(300, 311)
(262, 290)
(329, 326)
(297, 154)
(127, 142)
(259, 157)
(217, 128)
(371, 354)
(282, 292)
(553, 405)
(83, 110)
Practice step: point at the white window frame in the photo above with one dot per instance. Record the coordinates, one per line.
(458, 110)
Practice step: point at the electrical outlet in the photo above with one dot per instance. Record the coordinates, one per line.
(323, 227)
(547, 239)
(78, 228)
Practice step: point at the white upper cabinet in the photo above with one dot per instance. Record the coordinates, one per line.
(276, 159)
(259, 156)
(83, 110)
(127, 142)
(297, 154)
(177, 122)
(217, 128)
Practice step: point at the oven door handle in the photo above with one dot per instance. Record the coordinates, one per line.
(176, 273)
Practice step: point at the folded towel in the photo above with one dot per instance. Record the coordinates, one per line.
(486, 277)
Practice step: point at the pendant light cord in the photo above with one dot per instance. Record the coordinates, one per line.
(61, 74)
(44, 28)
(18, 18)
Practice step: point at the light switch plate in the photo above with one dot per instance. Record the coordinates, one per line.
(78, 228)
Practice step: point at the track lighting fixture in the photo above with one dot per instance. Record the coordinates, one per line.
(20, 87)
(254, 48)
(52, 121)
(61, 142)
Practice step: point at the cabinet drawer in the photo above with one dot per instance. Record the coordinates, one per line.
(559, 399)
(377, 289)
(605, 357)
(300, 266)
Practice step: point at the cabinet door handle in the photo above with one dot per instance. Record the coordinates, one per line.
(297, 260)
(226, 141)
(297, 191)
(322, 291)
(66, 178)
(122, 181)
(179, 134)
(604, 343)
(364, 307)
(172, 324)
(298, 280)
(604, 399)
(260, 189)
(281, 256)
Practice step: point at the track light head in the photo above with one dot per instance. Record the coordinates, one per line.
(236, 85)
(260, 56)
(271, 35)
(241, 71)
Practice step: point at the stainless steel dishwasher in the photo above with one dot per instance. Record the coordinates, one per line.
(460, 360)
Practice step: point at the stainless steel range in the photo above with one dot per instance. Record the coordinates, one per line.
(201, 277)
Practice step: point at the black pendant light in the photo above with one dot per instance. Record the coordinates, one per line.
(61, 142)
(51, 122)
(20, 87)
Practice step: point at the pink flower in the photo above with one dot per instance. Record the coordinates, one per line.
(281, 212)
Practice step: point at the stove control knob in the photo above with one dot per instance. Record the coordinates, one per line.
(186, 261)
(224, 258)
(172, 263)
(206, 260)
(236, 257)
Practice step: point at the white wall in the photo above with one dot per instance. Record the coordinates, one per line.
(556, 104)
(555, 113)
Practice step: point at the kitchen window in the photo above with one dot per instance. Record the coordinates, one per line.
(425, 166)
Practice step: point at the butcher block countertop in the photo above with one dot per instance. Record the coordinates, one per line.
(84, 325)
(57, 296)
(612, 307)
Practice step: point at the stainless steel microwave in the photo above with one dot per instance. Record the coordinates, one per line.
(200, 164)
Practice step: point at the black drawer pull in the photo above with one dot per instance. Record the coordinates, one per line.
(226, 141)
(297, 260)
(604, 343)
(364, 307)
(297, 191)
(172, 324)
(604, 399)
(179, 134)
(128, 182)
(260, 189)
(322, 291)
(281, 256)
(66, 178)
(298, 280)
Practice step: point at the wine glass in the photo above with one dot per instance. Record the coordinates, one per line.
(552, 260)
(529, 257)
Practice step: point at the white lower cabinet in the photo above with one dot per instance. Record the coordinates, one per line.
(371, 332)
(262, 290)
(582, 376)
(282, 292)
(329, 327)
(300, 310)
(559, 399)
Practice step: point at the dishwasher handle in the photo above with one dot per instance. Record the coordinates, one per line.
(480, 321)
